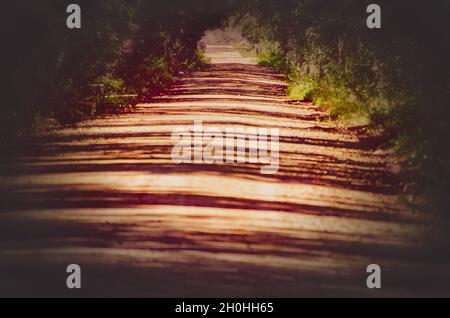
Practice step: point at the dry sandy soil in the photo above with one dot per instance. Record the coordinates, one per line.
(106, 195)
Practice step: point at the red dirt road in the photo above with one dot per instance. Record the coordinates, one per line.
(107, 195)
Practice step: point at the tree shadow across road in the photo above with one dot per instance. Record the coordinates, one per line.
(106, 194)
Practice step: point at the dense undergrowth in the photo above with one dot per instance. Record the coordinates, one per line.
(394, 81)
(124, 52)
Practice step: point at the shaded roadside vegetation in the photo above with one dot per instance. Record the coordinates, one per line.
(394, 79)
(125, 49)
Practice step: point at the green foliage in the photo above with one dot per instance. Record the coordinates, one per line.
(151, 77)
(302, 90)
(54, 70)
(396, 79)
(275, 57)
(200, 61)
(125, 47)
(111, 96)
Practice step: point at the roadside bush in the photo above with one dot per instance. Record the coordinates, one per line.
(393, 82)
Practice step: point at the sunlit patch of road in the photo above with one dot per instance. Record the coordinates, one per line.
(106, 194)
